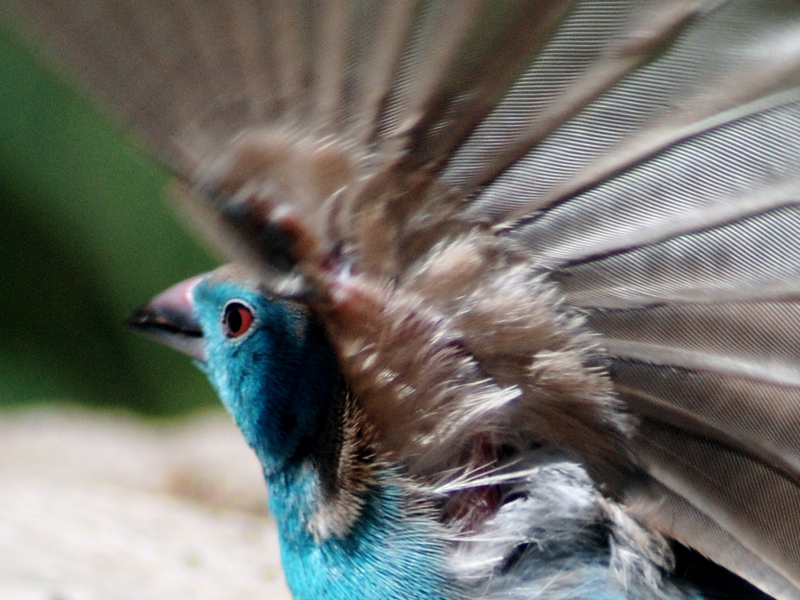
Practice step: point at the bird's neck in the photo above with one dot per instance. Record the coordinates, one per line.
(351, 527)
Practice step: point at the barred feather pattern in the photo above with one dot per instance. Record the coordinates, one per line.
(563, 224)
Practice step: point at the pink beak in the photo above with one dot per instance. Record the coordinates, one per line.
(169, 318)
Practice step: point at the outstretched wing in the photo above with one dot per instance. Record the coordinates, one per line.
(536, 221)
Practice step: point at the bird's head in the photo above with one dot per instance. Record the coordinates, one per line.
(268, 358)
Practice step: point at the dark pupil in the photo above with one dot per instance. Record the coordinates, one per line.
(235, 320)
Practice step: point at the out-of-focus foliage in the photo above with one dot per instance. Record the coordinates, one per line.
(85, 237)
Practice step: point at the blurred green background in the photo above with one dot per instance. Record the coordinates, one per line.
(85, 237)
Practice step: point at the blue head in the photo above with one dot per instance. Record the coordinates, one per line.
(268, 359)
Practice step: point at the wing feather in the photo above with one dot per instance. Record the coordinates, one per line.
(704, 68)
(715, 478)
(727, 168)
(688, 525)
(754, 258)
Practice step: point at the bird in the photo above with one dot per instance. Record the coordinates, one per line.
(512, 307)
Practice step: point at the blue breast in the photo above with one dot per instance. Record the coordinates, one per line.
(393, 552)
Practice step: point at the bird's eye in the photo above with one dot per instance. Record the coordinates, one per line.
(237, 320)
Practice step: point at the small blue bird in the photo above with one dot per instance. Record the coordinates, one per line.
(353, 524)
(514, 304)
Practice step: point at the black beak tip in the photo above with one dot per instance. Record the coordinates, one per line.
(138, 319)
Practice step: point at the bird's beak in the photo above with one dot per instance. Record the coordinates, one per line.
(169, 318)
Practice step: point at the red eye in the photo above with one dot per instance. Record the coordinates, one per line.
(238, 319)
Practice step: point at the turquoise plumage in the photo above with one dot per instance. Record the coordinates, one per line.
(514, 305)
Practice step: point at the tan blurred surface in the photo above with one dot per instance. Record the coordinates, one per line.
(106, 506)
